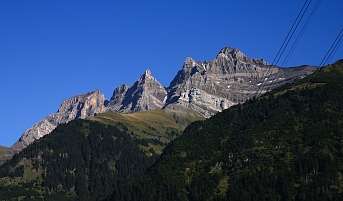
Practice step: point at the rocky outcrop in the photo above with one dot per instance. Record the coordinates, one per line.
(231, 78)
(145, 94)
(81, 106)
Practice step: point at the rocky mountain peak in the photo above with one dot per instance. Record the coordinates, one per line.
(147, 72)
(230, 78)
(122, 89)
(147, 75)
(147, 79)
(232, 52)
(233, 56)
(236, 55)
(81, 106)
(91, 102)
(189, 63)
(117, 98)
(147, 93)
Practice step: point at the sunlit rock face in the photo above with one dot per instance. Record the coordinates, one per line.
(81, 106)
(145, 94)
(231, 78)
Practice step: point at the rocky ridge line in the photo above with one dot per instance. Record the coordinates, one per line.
(205, 87)
(81, 106)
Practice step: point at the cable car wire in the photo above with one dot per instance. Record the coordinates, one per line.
(333, 48)
(285, 43)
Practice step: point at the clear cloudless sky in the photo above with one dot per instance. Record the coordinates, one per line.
(55, 49)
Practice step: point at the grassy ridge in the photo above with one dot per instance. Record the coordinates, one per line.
(158, 126)
(154, 123)
(143, 126)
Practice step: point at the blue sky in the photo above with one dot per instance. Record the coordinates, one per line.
(51, 50)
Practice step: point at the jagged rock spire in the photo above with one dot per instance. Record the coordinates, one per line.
(148, 72)
(189, 63)
(145, 94)
(147, 75)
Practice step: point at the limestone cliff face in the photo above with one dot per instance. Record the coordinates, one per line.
(81, 106)
(116, 101)
(145, 94)
(231, 78)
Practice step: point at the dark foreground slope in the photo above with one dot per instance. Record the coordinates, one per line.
(286, 145)
(87, 159)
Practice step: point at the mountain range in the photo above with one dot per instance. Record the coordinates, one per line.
(213, 134)
(283, 145)
(204, 87)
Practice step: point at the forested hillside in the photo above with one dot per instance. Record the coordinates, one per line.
(87, 159)
(285, 145)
